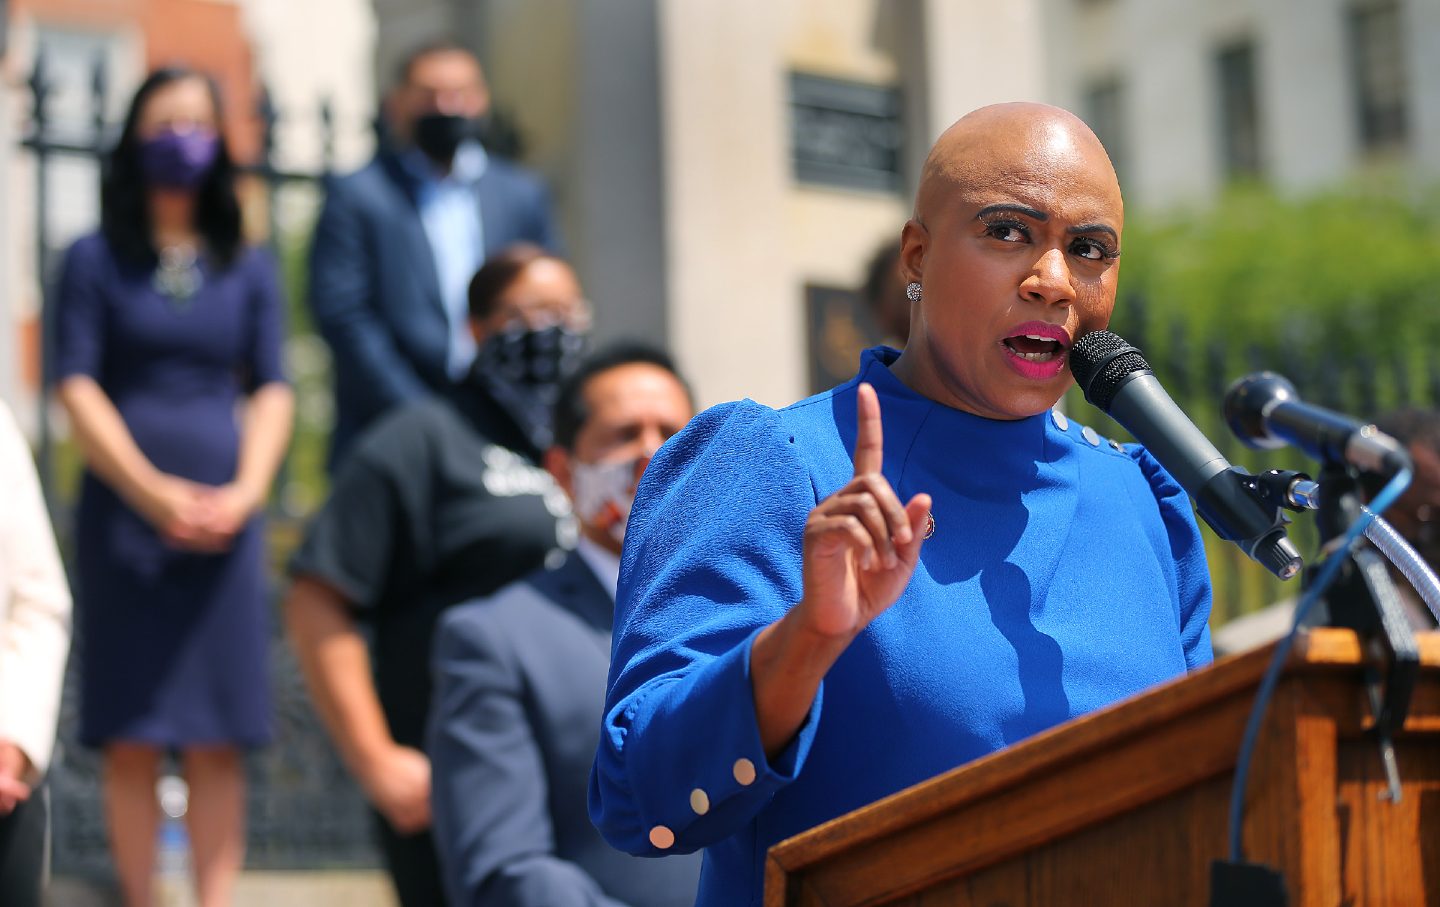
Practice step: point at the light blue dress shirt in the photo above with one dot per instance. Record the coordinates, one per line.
(450, 213)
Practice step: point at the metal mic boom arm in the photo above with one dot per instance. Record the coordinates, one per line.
(1363, 598)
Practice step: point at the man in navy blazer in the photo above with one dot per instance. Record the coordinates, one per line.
(397, 242)
(519, 677)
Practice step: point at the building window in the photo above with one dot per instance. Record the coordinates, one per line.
(845, 134)
(1104, 111)
(1377, 56)
(1240, 149)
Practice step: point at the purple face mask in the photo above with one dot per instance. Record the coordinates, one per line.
(178, 160)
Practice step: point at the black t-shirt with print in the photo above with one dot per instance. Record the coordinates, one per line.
(438, 503)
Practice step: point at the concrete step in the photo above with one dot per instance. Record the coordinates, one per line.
(349, 888)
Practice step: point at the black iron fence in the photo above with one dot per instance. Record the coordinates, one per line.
(303, 810)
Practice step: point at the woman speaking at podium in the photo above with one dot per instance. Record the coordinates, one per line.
(820, 606)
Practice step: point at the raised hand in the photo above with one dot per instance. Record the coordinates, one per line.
(861, 544)
(860, 550)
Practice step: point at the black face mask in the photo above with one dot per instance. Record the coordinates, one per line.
(537, 360)
(439, 134)
(523, 370)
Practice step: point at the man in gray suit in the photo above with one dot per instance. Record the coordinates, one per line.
(519, 677)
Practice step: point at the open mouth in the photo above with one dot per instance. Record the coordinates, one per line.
(1035, 348)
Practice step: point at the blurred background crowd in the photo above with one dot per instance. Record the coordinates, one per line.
(725, 181)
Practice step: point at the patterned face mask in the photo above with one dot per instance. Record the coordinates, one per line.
(604, 494)
(533, 359)
(522, 369)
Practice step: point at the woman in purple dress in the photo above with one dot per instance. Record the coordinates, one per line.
(169, 333)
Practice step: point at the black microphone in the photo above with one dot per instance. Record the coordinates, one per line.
(1265, 412)
(1116, 379)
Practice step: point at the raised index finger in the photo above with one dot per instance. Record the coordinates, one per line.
(869, 438)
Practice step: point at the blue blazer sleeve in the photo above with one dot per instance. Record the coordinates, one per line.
(343, 301)
(489, 795)
(1192, 572)
(515, 207)
(712, 555)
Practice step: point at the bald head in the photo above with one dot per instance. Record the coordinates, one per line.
(1015, 245)
(1015, 145)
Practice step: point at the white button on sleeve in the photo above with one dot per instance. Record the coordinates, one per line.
(744, 772)
(699, 801)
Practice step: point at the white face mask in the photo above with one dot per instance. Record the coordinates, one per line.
(604, 493)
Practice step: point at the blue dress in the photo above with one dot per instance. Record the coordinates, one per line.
(1064, 574)
(172, 644)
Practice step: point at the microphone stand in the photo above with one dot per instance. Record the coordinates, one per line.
(1363, 598)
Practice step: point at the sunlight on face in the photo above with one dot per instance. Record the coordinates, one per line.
(634, 409)
(448, 82)
(1016, 244)
(545, 293)
(184, 105)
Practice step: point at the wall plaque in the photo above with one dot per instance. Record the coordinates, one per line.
(845, 134)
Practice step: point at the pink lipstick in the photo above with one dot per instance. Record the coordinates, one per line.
(1036, 349)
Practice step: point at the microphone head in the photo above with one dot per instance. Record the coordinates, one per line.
(1248, 403)
(1102, 362)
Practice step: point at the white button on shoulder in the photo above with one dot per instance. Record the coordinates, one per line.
(699, 801)
(744, 772)
(1059, 419)
(1119, 448)
(662, 837)
(1090, 435)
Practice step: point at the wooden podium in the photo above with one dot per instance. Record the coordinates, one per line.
(1128, 806)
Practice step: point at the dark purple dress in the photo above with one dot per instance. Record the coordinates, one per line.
(173, 643)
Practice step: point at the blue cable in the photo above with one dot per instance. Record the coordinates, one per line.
(1392, 490)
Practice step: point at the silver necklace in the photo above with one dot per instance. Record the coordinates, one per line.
(178, 276)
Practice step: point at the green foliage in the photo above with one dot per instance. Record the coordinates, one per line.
(1338, 272)
(1340, 292)
(305, 481)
